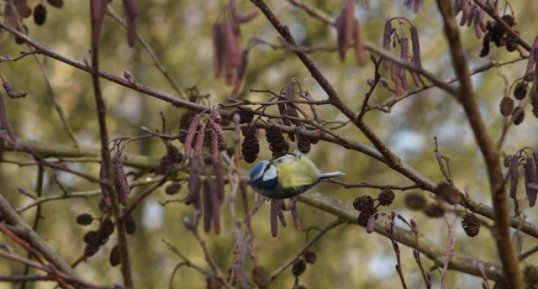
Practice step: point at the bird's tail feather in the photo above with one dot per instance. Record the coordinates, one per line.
(331, 175)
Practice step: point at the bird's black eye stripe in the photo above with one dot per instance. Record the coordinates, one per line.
(266, 168)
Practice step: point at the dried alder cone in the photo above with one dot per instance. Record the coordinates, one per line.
(415, 201)
(499, 36)
(367, 209)
(277, 144)
(471, 224)
(250, 146)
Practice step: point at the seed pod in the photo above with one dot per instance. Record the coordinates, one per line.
(434, 210)
(120, 180)
(518, 115)
(275, 211)
(303, 144)
(344, 27)
(513, 163)
(363, 203)
(471, 224)
(470, 16)
(24, 30)
(107, 228)
(309, 257)
(22, 8)
(241, 71)
(97, 11)
(207, 204)
(485, 45)
(465, 8)
(173, 188)
(221, 140)
(90, 250)
(56, 3)
(131, 13)
(184, 123)
(218, 48)
(195, 184)
(532, 57)
(506, 106)
(360, 51)
(277, 143)
(114, 259)
(174, 154)
(232, 52)
(40, 14)
(415, 46)
(531, 181)
(448, 193)
(130, 224)
(386, 197)
(520, 91)
(294, 214)
(387, 34)
(415, 201)
(261, 277)
(84, 219)
(105, 192)
(91, 238)
(250, 146)
(364, 216)
(245, 116)
(191, 132)
(298, 268)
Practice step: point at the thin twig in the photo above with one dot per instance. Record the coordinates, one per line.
(149, 50)
(125, 265)
(468, 100)
(309, 244)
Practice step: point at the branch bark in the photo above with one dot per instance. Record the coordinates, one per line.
(467, 99)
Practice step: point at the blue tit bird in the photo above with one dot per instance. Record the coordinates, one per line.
(286, 176)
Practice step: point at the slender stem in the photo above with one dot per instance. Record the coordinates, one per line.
(25, 231)
(150, 51)
(37, 217)
(107, 163)
(57, 107)
(309, 244)
(462, 263)
(468, 101)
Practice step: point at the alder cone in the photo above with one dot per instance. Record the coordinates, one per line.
(56, 3)
(40, 14)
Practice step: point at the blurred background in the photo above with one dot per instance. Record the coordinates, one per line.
(179, 33)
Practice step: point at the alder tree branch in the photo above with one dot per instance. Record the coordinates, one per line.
(468, 101)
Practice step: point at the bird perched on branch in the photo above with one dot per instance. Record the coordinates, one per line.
(286, 176)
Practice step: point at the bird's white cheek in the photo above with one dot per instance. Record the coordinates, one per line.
(270, 173)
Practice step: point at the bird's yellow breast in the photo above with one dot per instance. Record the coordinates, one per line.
(295, 172)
